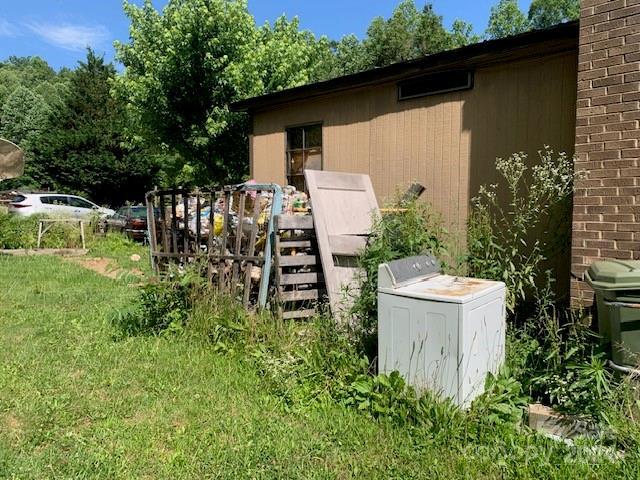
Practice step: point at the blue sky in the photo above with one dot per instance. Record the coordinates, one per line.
(59, 30)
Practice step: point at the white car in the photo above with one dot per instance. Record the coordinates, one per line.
(55, 205)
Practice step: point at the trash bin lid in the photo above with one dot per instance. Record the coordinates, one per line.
(614, 275)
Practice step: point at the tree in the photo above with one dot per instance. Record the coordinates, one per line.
(462, 34)
(350, 56)
(430, 35)
(546, 13)
(86, 147)
(506, 19)
(409, 33)
(24, 120)
(186, 64)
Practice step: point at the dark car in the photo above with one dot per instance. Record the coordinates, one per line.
(131, 220)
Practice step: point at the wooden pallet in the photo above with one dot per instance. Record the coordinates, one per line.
(298, 270)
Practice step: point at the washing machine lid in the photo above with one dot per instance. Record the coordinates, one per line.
(446, 288)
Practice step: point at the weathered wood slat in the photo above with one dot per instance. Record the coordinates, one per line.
(301, 278)
(298, 260)
(237, 251)
(185, 240)
(174, 227)
(298, 295)
(294, 222)
(223, 241)
(284, 243)
(251, 249)
(163, 216)
(308, 313)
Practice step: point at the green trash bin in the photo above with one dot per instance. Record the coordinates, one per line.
(617, 287)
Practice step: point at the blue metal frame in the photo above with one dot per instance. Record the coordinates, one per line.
(276, 209)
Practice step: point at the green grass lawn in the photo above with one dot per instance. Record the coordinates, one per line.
(75, 402)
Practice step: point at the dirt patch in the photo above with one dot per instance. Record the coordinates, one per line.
(12, 424)
(105, 267)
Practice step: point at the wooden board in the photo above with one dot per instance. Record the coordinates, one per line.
(343, 206)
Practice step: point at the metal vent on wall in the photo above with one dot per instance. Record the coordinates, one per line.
(435, 83)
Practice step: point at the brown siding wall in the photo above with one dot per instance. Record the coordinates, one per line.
(607, 201)
(447, 142)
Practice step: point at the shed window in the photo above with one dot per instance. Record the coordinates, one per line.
(435, 83)
(304, 150)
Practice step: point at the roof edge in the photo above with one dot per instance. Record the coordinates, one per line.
(562, 37)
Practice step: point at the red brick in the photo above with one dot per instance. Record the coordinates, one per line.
(605, 81)
(628, 227)
(624, 163)
(599, 244)
(605, 155)
(617, 254)
(611, 43)
(624, 31)
(618, 182)
(606, 62)
(622, 107)
(587, 129)
(594, 73)
(601, 226)
(611, 5)
(585, 251)
(633, 246)
(629, 209)
(593, 19)
(585, 235)
(600, 209)
(617, 200)
(589, 111)
(624, 88)
(618, 217)
(602, 137)
(632, 115)
(617, 235)
(606, 119)
(631, 153)
(631, 77)
(591, 92)
(634, 47)
(587, 201)
(590, 57)
(592, 3)
(589, 147)
(620, 144)
(625, 68)
(631, 134)
(623, 12)
(604, 191)
(619, 126)
(606, 100)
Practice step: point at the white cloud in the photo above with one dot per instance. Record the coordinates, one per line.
(7, 29)
(68, 36)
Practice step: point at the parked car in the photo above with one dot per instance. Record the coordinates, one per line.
(131, 220)
(55, 204)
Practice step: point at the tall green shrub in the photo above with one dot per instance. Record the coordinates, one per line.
(508, 235)
(411, 228)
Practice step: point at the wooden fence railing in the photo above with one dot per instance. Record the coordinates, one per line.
(230, 229)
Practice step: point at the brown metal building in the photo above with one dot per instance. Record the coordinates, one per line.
(441, 120)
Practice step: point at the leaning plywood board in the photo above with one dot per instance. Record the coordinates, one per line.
(343, 206)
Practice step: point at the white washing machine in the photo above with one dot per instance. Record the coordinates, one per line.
(442, 333)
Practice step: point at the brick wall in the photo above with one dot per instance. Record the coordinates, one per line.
(606, 213)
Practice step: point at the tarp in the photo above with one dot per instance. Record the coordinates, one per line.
(11, 160)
